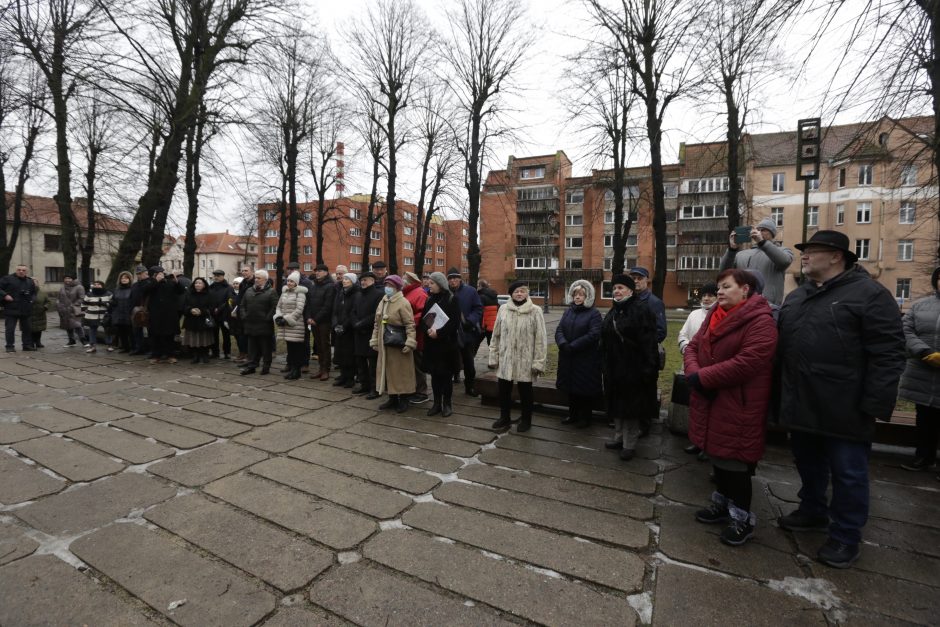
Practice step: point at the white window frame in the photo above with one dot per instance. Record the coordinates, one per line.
(355, 231)
(778, 182)
(776, 214)
(532, 172)
(409, 261)
(307, 250)
(905, 250)
(902, 288)
(907, 214)
(308, 266)
(812, 216)
(271, 233)
(355, 250)
(574, 219)
(840, 213)
(574, 242)
(574, 197)
(355, 266)
(407, 230)
(608, 240)
(308, 233)
(440, 249)
(375, 236)
(842, 178)
(407, 215)
(866, 174)
(863, 248)
(909, 176)
(355, 214)
(408, 245)
(863, 213)
(375, 251)
(570, 264)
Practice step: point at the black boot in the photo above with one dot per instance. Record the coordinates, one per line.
(435, 407)
(247, 370)
(446, 408)
(503, 423)
(195, 359)
(205, 357)
(469, 389)
(294, 374)
(391, 403)
(265, 369)
(584, 420)
(525, 423)
(402, 404)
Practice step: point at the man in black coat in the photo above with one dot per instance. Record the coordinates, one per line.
(221, 294)
(138, 292)
(319, 312)
(17, 292)
(370, 296)
(839, 359)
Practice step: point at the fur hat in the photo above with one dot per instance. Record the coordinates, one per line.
(588, 292)
(295, 277)
(623, 279)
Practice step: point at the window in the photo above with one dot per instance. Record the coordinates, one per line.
(270, 266)
(536, 193)
(776, 214)
(355, 250)
(574, 264)
(608, 241)
(812, 216)
(903, 289)
(271, 233)
(703, 211)
(862, 248)
(355, 214)
(863, 213)
(671, 215)
(440, 235)
(375, 252)
(574, 220)
(538, 172)
(841, 178)
(308, 267)
(574, 196)
(865, 174)
(408, 230)
(813, 184)
(409, 245)
(270, 215)
(631, 239)
(409, 261)
(671, 190)
(698, 263)
(308, 232)
(355, 232)
(776, 182)
(55, 275)
(466, 244)
(308, 250)
(670, 241)
(525, 263)
(840, 214)
(608, 217)
(375, 235)
(355, 266)
(607, 290)
(307, 216)
(907, 213)
(270, 250)
(440, 262)
(51, 242)
(407, 215)
(608, 263)
(440, 249)
(909, 175)
(465, 234)
(905, 250)
(715, 184)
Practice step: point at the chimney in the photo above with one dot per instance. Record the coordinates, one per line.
(340, 169)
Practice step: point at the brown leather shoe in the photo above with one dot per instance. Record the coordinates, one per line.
(325, 375)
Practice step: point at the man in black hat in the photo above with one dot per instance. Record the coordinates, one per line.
(380, 270)
(371, 295)
(641, 278)
(840, 356)
(222, 296)
(470, 331)
(319, 313)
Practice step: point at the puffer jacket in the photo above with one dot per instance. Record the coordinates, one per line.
(920, 382)
(839, 356)
(37, 319)
(416, 298)
(291, 307)
(734, 363)
(122, 302)
(578, 337)
(69, 305)
(256, 310)
(519, 345)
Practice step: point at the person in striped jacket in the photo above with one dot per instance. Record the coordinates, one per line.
(94, 308)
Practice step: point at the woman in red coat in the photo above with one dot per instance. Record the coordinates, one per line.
(728, 365)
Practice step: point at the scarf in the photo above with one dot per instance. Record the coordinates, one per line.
(720, 314)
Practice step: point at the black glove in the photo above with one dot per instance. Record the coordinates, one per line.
(696, 384)
(280, 321)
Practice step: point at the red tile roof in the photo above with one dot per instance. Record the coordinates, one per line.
(43, 210)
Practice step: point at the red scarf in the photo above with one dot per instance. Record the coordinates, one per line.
(720, 314)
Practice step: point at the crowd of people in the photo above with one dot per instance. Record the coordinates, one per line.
(750, 356)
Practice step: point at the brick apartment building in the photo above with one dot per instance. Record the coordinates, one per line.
(343, 237)
(876, 185)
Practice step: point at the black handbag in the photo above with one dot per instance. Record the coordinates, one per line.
(394, 335)
(680, 389)
(208, 323)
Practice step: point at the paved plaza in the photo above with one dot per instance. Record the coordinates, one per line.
(134, 494)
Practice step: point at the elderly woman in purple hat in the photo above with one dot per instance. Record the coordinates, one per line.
(394, 338)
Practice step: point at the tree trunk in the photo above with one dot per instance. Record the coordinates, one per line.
(370, 216)
(290, 157)
(194, 141)
(63, 196)
(473, 194)
(8, 245)
(390, 199)
(88, 246)
(734, 146)
(321, 220)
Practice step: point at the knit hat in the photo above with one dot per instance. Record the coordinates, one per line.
(441, 280)
(321, 266)
(623, 279)
(351, 276)
(516, 285)
(394, 279)
(412, 277)
(770, 224)
(295, 277)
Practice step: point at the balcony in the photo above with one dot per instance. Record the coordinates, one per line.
(703, 224)
(532, 274)
(699, 250)
(537, 251)
(570, 275)
(537, 229)
(537, 206)
(695, 278)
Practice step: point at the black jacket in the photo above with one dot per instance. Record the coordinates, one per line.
(222, 294)
(441, 353)
(163, 303)
(23, 291)
(839, 357)
(364, 318)
(344, 340)
(630, 360)
(205, 302)
(320, 301)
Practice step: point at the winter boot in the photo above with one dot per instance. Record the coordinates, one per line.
(391, 403)
(195, 359)
(503, 423)
(469, 389)
(435, 407)
(402, 404)
(446, 408)
(715, 513)
(525, 423)
(741, 527)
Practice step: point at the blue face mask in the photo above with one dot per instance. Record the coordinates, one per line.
(389, 291)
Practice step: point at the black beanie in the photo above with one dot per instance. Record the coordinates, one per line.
(623, 279)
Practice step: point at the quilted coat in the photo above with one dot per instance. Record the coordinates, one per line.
(578, 336)
(519, 346)
(291, 307)
(920, 382)
(734, 363)
(395, 372)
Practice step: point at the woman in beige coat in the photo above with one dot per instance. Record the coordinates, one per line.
(289, 318)
(517, 353)
(395, 372)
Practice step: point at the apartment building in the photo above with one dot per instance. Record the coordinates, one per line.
(214, 251)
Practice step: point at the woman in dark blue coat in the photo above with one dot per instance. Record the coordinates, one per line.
(578, 338)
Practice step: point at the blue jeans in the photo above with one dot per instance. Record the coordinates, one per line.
(846, 461)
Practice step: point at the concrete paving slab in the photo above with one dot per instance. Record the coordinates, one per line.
(83, 376)
(560, 490)
(174, 435)
(607, 477)
(53, 420)
(535, 510)
(218, 427)
(435, 427)
(10, 367)
(614, 568)
(51, 380)
(461, 448)
(376, 598)
(504, 585)
(364, 497)
(91, 410)
(11, 432)
(43, 590)
(275, 556)
(683, 594)
(207, 464)
(21, 482)
(391, 475)
(73, 461)
(180, 584)
(210, 408)
(903, 536)
(21, 387)
(605, 459)
(131, 448)
(14, 544)
(290, 395)
(161, 396)
(196, 390)
(91, 506)
(336, 416)
(134, 405)
(251, 417)
(308, 516)
(258, 405)
(282, 436)
(299, 616)
(398, 453)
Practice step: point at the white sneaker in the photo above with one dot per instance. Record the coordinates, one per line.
(91, 350)
(87, 345)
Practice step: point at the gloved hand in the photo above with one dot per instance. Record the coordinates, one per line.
(405, 350)
(563, 348)
(933, 359)
(338, 329)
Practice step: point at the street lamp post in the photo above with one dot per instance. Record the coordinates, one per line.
(552, 224)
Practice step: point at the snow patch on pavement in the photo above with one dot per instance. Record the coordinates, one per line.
(819, 592)
(643, 604)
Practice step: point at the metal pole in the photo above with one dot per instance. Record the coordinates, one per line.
(805, 207)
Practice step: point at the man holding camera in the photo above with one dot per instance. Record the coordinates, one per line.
(17, 292)
(764, 256)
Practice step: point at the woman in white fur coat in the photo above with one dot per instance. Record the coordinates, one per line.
(517, 353)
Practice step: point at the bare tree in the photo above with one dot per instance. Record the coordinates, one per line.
(373, 138)
(328, 128)
(197, 139)
(52, 31)
(391, 44)
(484, 51)
(655, 37)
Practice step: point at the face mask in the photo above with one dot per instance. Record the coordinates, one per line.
(389, 291)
